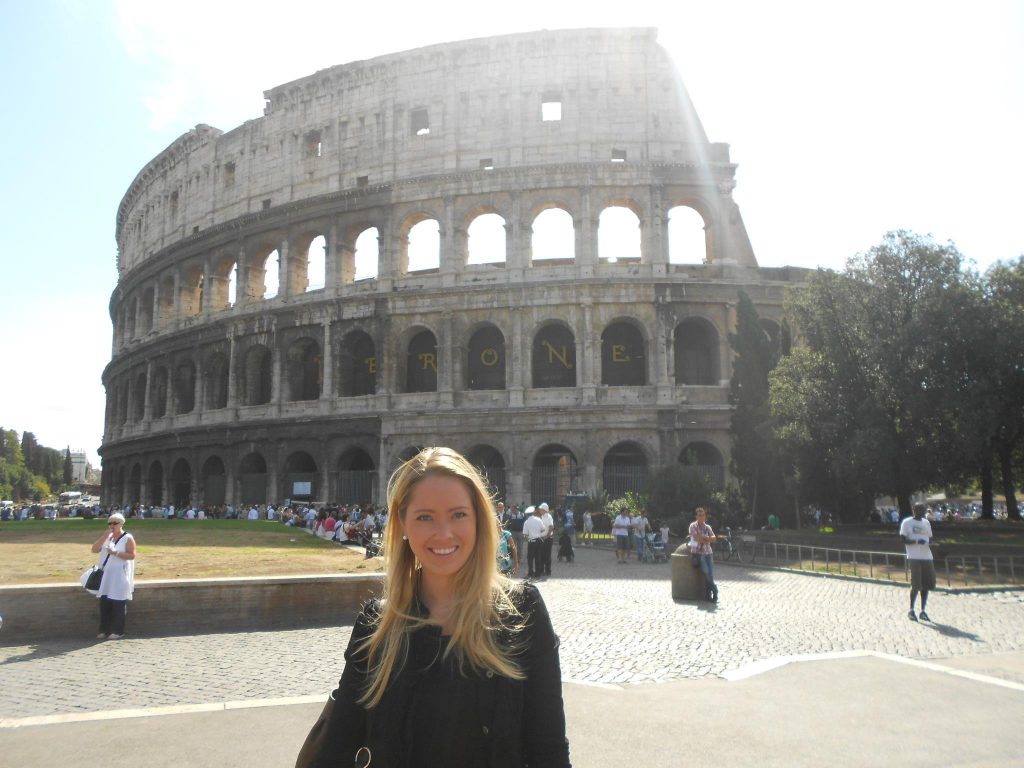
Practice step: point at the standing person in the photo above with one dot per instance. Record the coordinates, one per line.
(640, 528)
(570, 525)
(701, 539)
(508, 554)
(533, 530)
(916, 533)
(549, 536)
(515, 527)
(456, 666)
(620, 530)
(773, 522)
(117, 547)
(588, 527)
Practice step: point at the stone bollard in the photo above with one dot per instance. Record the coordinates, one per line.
(687, 582)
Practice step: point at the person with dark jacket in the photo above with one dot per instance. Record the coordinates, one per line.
(457, 665)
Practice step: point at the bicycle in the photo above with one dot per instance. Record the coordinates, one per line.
(726, 549)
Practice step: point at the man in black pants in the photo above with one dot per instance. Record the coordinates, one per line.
(549, 536)
(534, 530)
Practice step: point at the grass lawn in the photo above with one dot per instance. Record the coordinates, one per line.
(51, 552)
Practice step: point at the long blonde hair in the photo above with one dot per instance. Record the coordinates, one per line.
(483, 597)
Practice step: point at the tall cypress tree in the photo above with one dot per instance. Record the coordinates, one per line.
(69, 473)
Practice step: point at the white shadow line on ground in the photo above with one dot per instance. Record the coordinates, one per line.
(766, 665)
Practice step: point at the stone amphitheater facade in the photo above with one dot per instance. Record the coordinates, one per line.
(576, 370)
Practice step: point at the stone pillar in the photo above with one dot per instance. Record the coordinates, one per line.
(515, 366)
(230, 493)
(724, 350)
(131, 399)
(177, 294)
(333, 268)
(586, 237)
(156, 320)
(243, 291)
(232, 370)
(198, 405)
(327, 363)
(207, 300)
(656, 231)
(585, 363)
(453, 241)
(517, 245)
(661, 355)
(388, 256)
(444, 356)
(147, 407)
(284, 270)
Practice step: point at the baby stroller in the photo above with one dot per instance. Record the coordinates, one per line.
(654, 552)
(370, 544)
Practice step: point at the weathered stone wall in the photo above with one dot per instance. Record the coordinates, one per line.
(619, 363)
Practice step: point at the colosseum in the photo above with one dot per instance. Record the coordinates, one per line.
(523, 246)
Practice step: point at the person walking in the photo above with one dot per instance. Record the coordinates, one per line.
(620, 531)
(459, 665)
(916, 533)
(588, 528)
(117, 549)
(701, 539)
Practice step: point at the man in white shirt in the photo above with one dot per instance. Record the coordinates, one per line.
(534, 530)
(916, 533)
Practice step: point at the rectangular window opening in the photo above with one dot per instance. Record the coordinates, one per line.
(487, 164)
(420, 122)
(618, 155)
(362, 181)
(551, 107)
(266, 204)
(229, 174)
(312, 146)
(195, 230)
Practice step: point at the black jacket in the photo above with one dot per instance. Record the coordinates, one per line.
(523, 721)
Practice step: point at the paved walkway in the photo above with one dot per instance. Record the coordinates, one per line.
(618, 626)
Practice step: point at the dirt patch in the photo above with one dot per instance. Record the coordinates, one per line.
(52, 552)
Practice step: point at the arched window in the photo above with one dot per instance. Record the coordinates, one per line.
(486, 240)
(215, 372)
(486, 364)
(316, 262)
(256, 376)
(185, 387)
(554, 236)
(706, 458)
(139, 397)
(155, 484)
(367, 254)
(554, 357)
(158, 392)
(233, 285)
(357, 477)
(357, 365)
(492, 466)
(303, 370)
(696, 353)
(618, 234)
(165, 306)
(214, 480)
(181, 484)
(421, 363)
(625, 470)
(134, 491)
(192, 292)
(271, 275)
(623, 356)
(253, 479)
(147, 309)
(424, 246)
(687, 238)
(554, 474)
(300, 476)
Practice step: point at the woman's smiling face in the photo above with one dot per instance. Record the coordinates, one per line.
(440, 523)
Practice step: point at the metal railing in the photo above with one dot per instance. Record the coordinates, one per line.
(965, 570)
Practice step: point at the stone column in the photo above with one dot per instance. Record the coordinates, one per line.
(724, 351)
(147, 407)
(177, 294)
(388, 256)
(517, 246)
(327, 363)
(277, 364)
(656, 231)
(452, 244)
(446, 364)
(585, 363)
(131, 398)
(198, 405)
(515, 366)
(207, 300)
(243, 291)
(661, 354)
(284, 270)
(334, 271)
(232, 370)
(156, 321)
(586, 237)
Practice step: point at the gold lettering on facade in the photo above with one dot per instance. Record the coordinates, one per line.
(619, 353)
(371, 364)
(563, 356)
(429, 360)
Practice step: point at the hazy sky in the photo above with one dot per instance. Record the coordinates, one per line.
(846, 120)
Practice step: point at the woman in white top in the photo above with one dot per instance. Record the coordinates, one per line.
(116, 548)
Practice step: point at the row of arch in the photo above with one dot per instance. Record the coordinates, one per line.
(354, 478)
(180, 386)
(301, 263)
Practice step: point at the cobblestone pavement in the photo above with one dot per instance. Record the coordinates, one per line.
(618, 625)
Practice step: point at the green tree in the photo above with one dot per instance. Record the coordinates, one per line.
(69, 471)
(869, 370)
(756, 461)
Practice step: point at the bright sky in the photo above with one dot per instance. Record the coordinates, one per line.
(846, 120)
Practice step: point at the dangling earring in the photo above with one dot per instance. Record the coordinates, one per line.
(404, 537)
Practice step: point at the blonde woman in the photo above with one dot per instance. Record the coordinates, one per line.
(456, 665)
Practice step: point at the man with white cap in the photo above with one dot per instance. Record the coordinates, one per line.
(549, 536)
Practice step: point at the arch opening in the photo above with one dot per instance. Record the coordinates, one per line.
(554, 474)
(623, 356)
(423, 247)
(687, 236)
(305, 373)
(367, 255)
(554, 357)
(625, 470)
(421, 363)
(491, 464)
(486, 240)
(618, 235)
(553, 236)
(486, 363)
(706, 458)
(696, 353)
(357, 477)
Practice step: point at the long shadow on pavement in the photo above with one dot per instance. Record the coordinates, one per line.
(948, 631)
